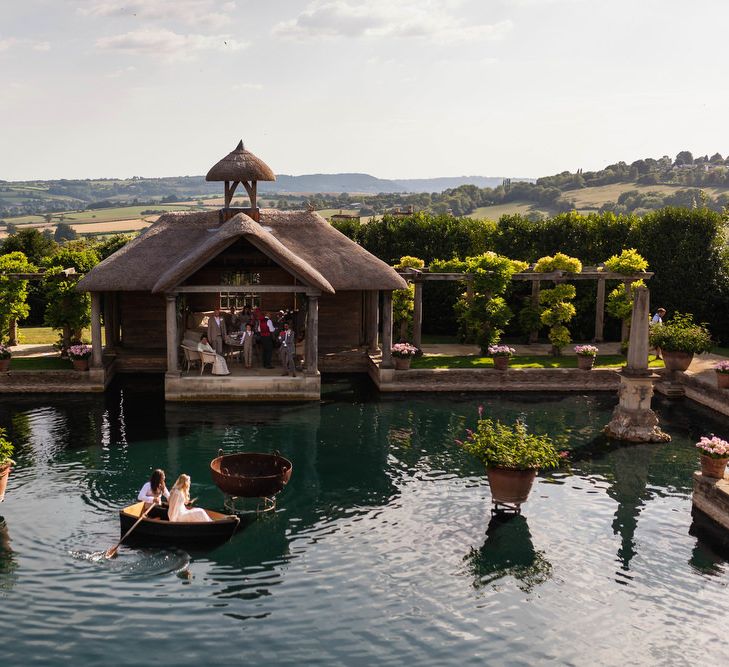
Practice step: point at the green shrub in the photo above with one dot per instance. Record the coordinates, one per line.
(6, 449)
(627, 262)
(681, 334)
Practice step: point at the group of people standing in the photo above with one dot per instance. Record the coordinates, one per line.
(179, 499)
(248, 328)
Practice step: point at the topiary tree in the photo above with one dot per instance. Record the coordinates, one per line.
(628, 262)
(560, 262)
(13, 294)
(403, 300)
(557, 309)
(620, 300)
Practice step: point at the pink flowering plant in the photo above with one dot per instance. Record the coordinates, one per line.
(4, 351)
(713, 447)
(586, 350)
(404, 350)
(501, 350)
(499, 445)
(722, 367)
(80, 351)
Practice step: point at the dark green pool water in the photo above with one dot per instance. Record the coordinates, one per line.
(382, 551)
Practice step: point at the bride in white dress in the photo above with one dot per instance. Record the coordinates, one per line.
(179, 497)
(219, 367)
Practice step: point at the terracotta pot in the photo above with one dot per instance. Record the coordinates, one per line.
(501, 362)
(713, 467)
(677, 361)
(4, 365)
(722, 380)
(4, 472)
(80, 364)
(402, 363)
(585, 363)
(509, 485)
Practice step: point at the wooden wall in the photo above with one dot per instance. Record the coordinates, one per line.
(341, 320)
(143, 321)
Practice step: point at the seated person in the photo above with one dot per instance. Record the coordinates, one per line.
(179, 499)
(154, 489)
(219, 366)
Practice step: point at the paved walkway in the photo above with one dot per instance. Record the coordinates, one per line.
(33, 350)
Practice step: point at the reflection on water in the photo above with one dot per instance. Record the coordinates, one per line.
(508, 551)
(368, 539)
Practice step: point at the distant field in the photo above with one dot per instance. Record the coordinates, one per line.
(495, 212)
(115, 226)
(594, 198)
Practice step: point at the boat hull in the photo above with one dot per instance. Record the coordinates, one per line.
(156, 529)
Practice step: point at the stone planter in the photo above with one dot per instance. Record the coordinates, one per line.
(401, 363)
(677, 361)
(509, 485)
(722, 380)
(4, 365)
(711, 467)
(501, 362)
(585, 362)
(4, 472)
(80, 364)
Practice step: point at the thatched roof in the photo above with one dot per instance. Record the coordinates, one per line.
(240, 165)
(301, 242)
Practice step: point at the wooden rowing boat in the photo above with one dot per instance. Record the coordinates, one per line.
(156, 528)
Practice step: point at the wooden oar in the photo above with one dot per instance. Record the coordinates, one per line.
(110, 553)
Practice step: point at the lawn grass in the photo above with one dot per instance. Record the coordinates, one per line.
(45, 335)
(440, 339)
(521, 361)
(40, 364)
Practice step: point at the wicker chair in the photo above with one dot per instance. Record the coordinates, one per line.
(205, 359)
(192, 356)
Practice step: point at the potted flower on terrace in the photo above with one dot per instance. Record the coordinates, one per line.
(402, 355)
(5, 355)
(79, 355)
(722, 374)
(586, 356)
(501, 355)
(512, 457)
(714, 456)
(679, 339)
(6, 463)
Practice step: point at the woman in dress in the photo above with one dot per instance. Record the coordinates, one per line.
(219, 366)
(179, 498)
(155, 488)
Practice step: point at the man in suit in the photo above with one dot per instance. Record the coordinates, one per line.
(287, 350)
(216, 331)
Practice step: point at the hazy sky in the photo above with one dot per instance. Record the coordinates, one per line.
(395, 88)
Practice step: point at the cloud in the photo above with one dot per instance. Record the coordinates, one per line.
(431, 19)
(167, 43)
(14, 43)
(212, 14)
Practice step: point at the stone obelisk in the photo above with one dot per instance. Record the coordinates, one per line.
(633, 419)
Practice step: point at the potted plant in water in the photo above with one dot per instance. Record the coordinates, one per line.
(6, 451)
(679, 339)
(512, 456)
(402, 355)
(5, 356)
(714, 456)
(586, 356)
(722, 374)
(501, 355)
(79, 355)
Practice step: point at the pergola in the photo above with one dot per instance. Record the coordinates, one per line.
(420, 276)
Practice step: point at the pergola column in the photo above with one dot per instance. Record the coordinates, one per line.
(311, 351)
(600, 311)
(373, 320)
(116, 321)
(418, 315)
(108, 321)
(534, 334)
(625, 327)
(96, 330)
(171, 320)
(387, 329)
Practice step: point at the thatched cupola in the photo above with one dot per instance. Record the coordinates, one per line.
(241, 166)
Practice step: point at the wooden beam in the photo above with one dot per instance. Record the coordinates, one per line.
(239, 289)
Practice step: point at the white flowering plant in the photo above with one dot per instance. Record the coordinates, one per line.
(404, 350)
(713, 447)
(80, 351)
(586, 350)
(501, 350)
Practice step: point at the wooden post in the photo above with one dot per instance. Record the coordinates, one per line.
(600, 311)
(96, 361)
(418, 315)
(108, 321)
(311, 352)
(469, 287)
(373, 320)
(116, 323)
(13, 332)
(387, 329)
(534, 334)
(171, 318)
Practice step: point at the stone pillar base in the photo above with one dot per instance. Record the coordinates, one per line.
(633, 419)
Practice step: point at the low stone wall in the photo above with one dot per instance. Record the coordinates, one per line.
(238, 388)
(711, 496)
(42, 382)
(703, 392)
(467, 379)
